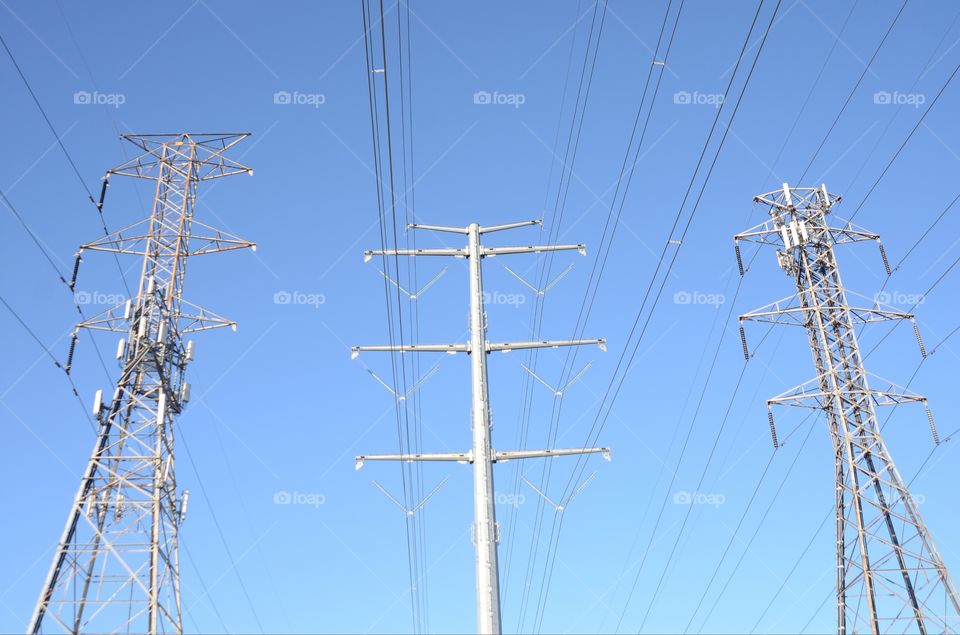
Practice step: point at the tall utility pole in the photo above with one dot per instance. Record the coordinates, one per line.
(482, 456)
(890, 577)
(116, 566)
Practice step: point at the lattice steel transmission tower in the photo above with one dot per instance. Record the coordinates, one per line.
(482, 456)
(116, 567)
(890, 578)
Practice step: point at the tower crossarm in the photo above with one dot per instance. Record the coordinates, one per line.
(119, 318)
(772, 233)
(136, 239)
(532, 249)
(411, 348)
(511, 455)
(481, 230)
(506, 347)
(202, 155)
(455, 457)
(467, 457)
(789, 311)
(457, 253)
(809, 395)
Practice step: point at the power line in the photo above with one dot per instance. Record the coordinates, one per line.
(526, 395)
(571, 151)
(687, 226)
(927, 65)
(402, 419)
(60, 276)
(586, 305)
(70, 160)
(406, 102)
(853, 90)
(46, 350)
(223, 538)
(905, 141)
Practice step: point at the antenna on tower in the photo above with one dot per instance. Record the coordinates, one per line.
(890, 577)
(481, 456)
(116, 566)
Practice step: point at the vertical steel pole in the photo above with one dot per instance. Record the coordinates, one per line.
(484, 525)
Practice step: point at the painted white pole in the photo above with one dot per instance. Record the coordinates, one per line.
(484, 525)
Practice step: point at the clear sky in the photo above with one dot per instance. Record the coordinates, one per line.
(279, 407)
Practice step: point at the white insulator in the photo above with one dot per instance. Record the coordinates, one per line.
(183, 505)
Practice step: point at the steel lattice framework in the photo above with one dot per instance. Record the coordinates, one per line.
(890, 578)
(116, 567)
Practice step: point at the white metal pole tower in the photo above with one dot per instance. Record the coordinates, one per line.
(482, 456)
(116, 566)
(890, 578)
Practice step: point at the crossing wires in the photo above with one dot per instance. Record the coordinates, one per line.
(394, 211)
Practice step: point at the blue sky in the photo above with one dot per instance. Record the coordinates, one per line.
(280, 407)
